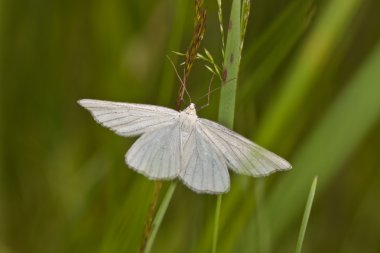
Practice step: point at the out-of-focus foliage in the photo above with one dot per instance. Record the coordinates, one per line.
(308, 89)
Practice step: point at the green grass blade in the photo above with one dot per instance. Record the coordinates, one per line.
(339, 133)
(160, 215)
(230, 68)
(313, 56)
(306, 215)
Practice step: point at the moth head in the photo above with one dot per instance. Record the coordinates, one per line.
(191, 109)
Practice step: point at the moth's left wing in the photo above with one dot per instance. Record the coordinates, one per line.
(127, 119)
(242, 155)
(157, 154)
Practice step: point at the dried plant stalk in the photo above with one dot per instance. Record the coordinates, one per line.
(192, 51)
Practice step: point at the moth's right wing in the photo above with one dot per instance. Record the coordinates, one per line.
(128, 119)
(242, 155)
(203, 167)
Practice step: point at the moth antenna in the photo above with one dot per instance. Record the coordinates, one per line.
(208, 94)
(184, 85)
(175, 69)
(211, 91)
(178, 76)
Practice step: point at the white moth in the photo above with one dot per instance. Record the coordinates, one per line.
(181, 145)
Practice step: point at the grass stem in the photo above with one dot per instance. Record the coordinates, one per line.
(216, 224)
(160, 215)
(152, 208)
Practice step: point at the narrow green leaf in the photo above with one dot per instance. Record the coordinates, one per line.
(230, 68)
(306, 215)
(228, 91)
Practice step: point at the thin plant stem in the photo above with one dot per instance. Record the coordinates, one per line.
(152, 208)
(220, 17)
(244, 20)
(216, 223)
(160, 215)
(192, 51)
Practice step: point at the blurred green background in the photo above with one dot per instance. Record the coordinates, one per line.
(309, 89)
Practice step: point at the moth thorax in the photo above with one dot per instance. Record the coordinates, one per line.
(190, 110)
(188, 122)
